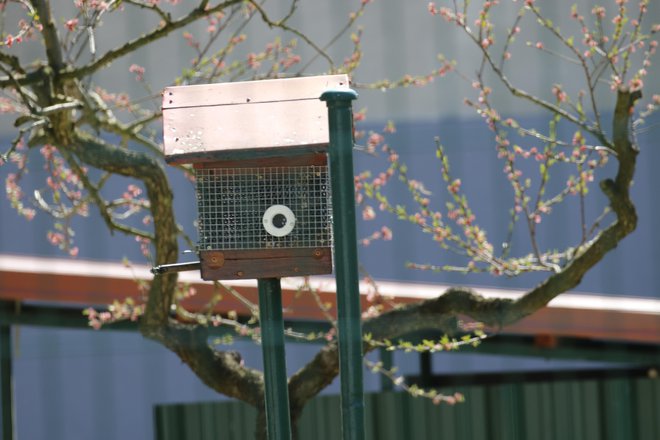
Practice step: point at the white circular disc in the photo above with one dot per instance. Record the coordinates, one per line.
(270, 215)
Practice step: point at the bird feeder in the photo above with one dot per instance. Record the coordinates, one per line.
(259, 152)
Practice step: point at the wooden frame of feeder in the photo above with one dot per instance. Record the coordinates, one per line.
(243, 126)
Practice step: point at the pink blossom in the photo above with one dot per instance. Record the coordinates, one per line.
(28, 213)
(138, 71)
(374, 140)
(559, 93)
(368, 213)
(290, 61)
(55, 238)
(71, 24)
(636, 84)
(132, 192)
(144, 246)
(51, 183)
(234, 40)
(190, 40)
(371, 312)
(455, 186)
(330, 335)
(577, 138)
(253, 61)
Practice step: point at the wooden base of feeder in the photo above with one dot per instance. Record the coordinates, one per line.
(265, 263)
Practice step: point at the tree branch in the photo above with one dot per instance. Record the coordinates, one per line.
(220, 370)
(515, 91)
(145, 40)
(12, 61)
(282, 25)
(442, 313)
(97, 153)
(50, 36)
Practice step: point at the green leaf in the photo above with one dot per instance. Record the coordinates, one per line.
(369, 190)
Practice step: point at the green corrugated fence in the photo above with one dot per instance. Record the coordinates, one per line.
(614, 409)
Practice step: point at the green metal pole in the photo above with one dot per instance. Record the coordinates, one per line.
(340, 115)
(272, 346)
(6, 389)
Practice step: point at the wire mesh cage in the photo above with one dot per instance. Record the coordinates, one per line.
(264, 208)
(264, 217)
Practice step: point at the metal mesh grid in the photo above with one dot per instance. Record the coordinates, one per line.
(231, 203)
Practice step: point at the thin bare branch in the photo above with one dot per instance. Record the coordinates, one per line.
(281, 24)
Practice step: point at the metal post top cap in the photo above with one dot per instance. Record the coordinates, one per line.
(339, 95)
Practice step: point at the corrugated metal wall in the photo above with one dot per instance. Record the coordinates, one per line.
(614, 409)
